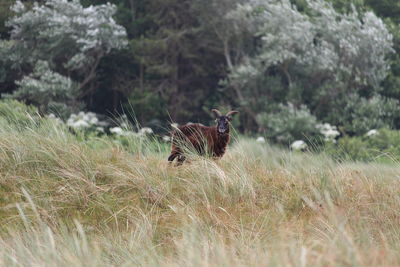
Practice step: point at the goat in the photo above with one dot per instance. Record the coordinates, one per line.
(205, 140)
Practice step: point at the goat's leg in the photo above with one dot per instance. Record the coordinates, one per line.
(172, 156)
(175, 151)
(181, 159)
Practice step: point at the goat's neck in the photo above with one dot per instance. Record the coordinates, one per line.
(223, 137)
(220, 144)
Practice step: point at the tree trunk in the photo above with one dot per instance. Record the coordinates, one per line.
(236, 89)
(133, 10)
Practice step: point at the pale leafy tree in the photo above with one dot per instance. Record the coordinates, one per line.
(233, 26)
(356, 49)
(70, 38)
(321, 50)
(45, 88)
(287, 36)
(230, 22)
(336, 44)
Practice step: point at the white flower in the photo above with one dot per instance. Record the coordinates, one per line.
(145, 130)
(260, 139)
(331, 134)
(174, 125)
(117, 131)
(328, 131)
(166, 138)
(100, 129)
(80, 124)
(54, 118)
(84, 120)
(93, 120)
(18, 7)
(298, 145)
(372, 132)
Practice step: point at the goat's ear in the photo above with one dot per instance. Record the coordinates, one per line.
(216, 112)
(230, 113)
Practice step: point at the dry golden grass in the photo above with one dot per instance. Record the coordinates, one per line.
(95, 202)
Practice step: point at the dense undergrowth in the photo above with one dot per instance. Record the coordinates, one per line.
(92, 201)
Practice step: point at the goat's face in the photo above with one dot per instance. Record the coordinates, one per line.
(222, 124)
(223, 121)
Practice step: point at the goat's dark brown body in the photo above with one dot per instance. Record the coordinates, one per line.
(205, 140)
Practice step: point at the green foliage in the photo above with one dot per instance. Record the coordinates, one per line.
(4, 59)
(45, 88)
(176, 61)
(65, 33)
(391, 84)
(5, 14)
(390, 10)
(345, 6)
(316, 56)
(288, 124)
(385, 8)
(63, 43)
(357, 115)
(187, 56)
(381, 147)
(18, 114)
(147, 107)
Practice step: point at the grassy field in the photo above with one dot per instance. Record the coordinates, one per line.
(70, 201)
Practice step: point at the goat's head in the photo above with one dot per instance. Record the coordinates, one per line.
(223, 121)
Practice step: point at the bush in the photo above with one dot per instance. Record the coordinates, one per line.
(382, 147)
(361, 114)
(289, 124)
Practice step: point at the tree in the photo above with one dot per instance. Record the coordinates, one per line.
(70, 38)
(5, 14)
(390, 10)
(46, 89)
(312, 57)
(177, 64)
(231, 27)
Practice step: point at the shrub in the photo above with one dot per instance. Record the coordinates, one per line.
(45, 88)
(329, 132)
(361, 114)
(87, 123)
(382, 147)
(289, 124)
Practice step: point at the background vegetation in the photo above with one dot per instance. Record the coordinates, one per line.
(175, 60)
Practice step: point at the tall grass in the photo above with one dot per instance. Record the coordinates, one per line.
(68, 201)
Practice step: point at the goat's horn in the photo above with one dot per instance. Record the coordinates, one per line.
(217, 112)
(230, 113)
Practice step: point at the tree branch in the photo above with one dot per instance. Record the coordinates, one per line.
(90, 76)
